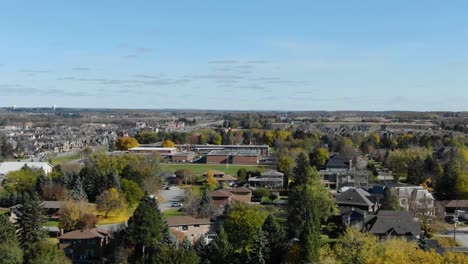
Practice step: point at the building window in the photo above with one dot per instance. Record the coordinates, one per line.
(91, 242)
(196, 225)
(184, 228)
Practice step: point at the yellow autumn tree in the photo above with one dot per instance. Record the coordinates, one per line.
(210, 180)
(167, 144)
(111, 201)
(125, 143)
(77, 215)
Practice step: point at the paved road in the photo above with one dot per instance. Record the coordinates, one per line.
(175, 194)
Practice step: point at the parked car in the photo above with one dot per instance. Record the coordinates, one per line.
(175, 204)
(167, 188)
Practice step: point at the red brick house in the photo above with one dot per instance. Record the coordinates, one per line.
(84, 246)
(241, 194)
(221, 198)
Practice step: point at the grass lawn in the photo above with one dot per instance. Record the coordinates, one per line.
(115, 219)
(447, 241)
(199, 169)
(52, 223)
(173, 212)
(62, 159)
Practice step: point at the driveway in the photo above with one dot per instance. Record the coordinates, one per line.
(175, 194)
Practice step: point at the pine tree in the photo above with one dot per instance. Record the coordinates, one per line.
(7, 230)
(310, 243)
(186, 244)
(78, 193)
(30, 220)
(113, 181)
(220, 250)
(206, 207)
(200, 248)
(260, 249)
(302, 170)
(276, 238)
(170, 240)
(41, 181)
(146, 228)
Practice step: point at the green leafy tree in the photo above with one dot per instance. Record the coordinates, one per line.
(23, 180)
(220, 250)
(242, 223)
(44, 252)
(30, 220)
(318, 157)
(146, 137)
(216, 138)
(133, 192)
(276, 239)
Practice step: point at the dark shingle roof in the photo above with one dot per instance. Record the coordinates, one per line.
(357, 197)
(337, 161)
(394, 222)
(186, 220)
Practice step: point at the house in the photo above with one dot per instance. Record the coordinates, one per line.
(221, 177)
(241, 194)
(353, 217)
(414, 198)
(50, 208)
(221, 198)
(192, 227)
(453, 205)
(9, 166)
(268, 179)
(387, 223)
(85, 246)
(338, 163)
(358, 198)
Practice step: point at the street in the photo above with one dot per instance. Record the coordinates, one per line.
(175, 194)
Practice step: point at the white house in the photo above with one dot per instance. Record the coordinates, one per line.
(9, 166)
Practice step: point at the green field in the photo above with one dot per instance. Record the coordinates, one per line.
(62, 159)
(173, 212)
(199, 169)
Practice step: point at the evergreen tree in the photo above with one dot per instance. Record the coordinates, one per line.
(276, 239)
(146, 228)
(310, 242)
(186, 244)
(220, 250)
(7, 230)
(302, 170)
(30, 220)
(445, 184)
(260, 249)
(170, 240)
(422, 241)
(78, 193)
(41, 181)
(113, 181)
(415, 171)
(206, 207)
(200, 248)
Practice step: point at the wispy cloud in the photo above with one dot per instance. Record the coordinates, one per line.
(144, 50)
(81, 69)
(224, 61)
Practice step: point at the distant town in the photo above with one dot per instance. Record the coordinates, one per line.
(193, 186)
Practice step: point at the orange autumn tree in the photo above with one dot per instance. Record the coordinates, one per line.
(125, 143)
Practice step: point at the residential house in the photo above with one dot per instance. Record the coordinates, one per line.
(50, 208)
(358, 198)
(414, 198)
(85, 246)
(241, 194)
(192, 227)
(453, 205)
(9, 166)
(221, 177)
(221, 198)
(387, 223)
(268, 179)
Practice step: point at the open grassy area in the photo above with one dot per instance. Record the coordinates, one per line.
(52, 223)
(173, 212)
(199, 169)
(115, 219)
(62, 159)
(446, 241)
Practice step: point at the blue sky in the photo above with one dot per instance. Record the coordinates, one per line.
(235, 55)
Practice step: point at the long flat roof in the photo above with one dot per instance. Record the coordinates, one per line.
(150, 148)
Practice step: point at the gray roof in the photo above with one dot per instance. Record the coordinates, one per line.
(388, 222)
(353, 196)
(337, 161)
(266, 179)
(272, 173)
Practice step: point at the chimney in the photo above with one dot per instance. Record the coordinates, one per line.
(350, 164)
